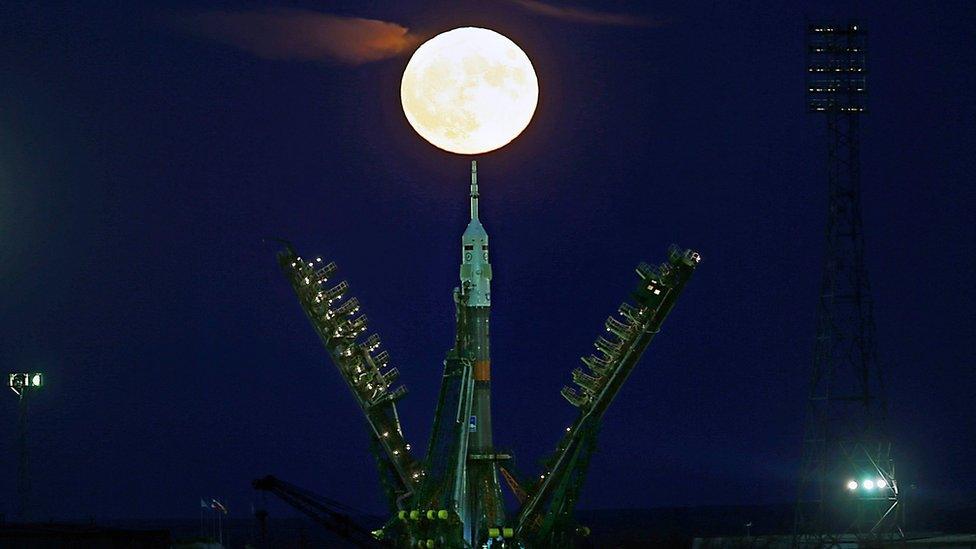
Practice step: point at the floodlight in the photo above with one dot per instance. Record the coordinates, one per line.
(868, 484)
(20, 381)
(16, 382)
(852, 485)
(880, 483)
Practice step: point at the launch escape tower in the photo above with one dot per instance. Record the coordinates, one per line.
(452, 497)
(848, 491)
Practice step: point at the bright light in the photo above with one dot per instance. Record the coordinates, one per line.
(868, 484)
(19, 382)
(881, 483)
(469, 90)
(852, 485)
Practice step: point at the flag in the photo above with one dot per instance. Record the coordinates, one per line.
(217, 506)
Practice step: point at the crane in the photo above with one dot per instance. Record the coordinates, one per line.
(331, 514)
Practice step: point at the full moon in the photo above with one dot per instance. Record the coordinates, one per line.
(469, 90)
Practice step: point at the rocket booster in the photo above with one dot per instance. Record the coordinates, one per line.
(476, 286)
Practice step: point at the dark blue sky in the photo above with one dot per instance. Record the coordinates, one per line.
(141, 167)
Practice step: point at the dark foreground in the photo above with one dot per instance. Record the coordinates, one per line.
(660, 527)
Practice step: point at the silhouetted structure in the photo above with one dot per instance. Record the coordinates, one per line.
(24, 385)
(331, 514)
(848, 490)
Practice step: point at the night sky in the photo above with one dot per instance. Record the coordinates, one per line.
(144, 166)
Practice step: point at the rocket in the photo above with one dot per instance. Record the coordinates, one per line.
(484, 506)
(476, 287)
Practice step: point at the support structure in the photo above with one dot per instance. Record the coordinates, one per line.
(332, 515)
(361, 364)
(23, 385)
(452, 498)
(848, 491)
(23, 464)
(546, 517)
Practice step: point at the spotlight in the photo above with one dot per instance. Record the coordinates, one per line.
(880, 483)
(19, 382)
(852, 485)
(868, 484)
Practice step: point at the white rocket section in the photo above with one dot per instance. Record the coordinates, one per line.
(475, 269)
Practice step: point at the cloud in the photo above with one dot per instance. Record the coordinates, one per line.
(302, 34)
(583, 15)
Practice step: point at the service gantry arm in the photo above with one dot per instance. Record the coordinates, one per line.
(546, 516)
(365, 369)
(330, 514)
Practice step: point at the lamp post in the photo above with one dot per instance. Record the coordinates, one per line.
(23, 384)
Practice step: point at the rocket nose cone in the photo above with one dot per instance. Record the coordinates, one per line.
(475, 230)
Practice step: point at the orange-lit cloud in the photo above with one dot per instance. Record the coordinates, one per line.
(302, 34)
(583, 15)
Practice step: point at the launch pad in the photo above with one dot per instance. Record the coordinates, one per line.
(452, 497)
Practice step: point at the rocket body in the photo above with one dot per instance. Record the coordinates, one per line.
(476, 287)
(479, 425)
(483, 489)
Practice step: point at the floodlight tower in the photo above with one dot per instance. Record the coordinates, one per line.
(23, 384)
(848, 491)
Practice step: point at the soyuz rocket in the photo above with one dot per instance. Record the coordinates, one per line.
(476, 287)
(485, 506)
(452, 498)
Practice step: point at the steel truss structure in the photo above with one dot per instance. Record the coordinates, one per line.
(848, 491)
